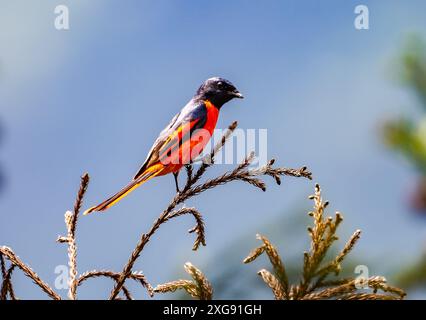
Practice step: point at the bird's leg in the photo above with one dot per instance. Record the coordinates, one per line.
(176, 175)
(188, 168)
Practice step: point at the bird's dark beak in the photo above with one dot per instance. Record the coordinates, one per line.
(237, 94)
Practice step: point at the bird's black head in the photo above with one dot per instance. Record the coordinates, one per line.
(218, 91)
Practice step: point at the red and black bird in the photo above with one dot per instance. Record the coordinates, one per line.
(183, 139)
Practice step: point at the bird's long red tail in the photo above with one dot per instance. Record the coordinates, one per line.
(149, 173)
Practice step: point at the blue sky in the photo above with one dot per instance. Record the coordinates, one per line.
(93, 99)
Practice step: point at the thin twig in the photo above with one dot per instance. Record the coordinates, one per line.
(78, 201)
(204, 287)
(5, 275)
(199, 227)
(273, 283)
(15, 260)
(127, 293)
(72, 246)
(2, 266)
(71, 219)
(137, 276)
(199, 287)
(5, 288)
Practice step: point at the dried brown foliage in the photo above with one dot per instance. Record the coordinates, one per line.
(16, 261)
(200, 287)
(193, 188)
(314, 283)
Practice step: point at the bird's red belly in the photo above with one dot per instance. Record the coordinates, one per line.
(194, 146)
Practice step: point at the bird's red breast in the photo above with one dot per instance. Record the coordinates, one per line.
(185, 150)
(212, 115)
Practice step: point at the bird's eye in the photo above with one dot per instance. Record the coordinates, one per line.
(221, 85)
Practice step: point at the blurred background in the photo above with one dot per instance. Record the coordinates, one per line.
(350, 104)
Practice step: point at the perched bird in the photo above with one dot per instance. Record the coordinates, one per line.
(183, 139)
